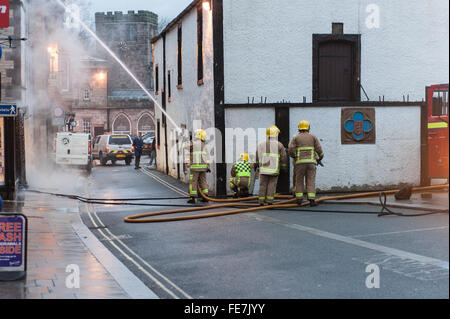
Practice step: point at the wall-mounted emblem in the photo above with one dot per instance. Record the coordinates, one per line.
(358, 126)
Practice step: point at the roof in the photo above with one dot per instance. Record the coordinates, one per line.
(192, 5)
(128, 95)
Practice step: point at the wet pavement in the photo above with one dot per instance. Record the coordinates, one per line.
(53, 250)
(320, 252)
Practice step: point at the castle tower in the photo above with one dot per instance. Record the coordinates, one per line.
(129, 36)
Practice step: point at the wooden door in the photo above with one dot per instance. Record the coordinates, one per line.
(336, 67)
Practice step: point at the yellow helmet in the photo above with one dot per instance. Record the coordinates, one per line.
(200, 134)
(303, 126)
(273, 131)
(243, 157)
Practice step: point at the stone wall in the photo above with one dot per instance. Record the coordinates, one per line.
(128, 35)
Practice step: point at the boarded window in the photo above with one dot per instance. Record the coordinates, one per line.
(179, 56)
(169, 87)
(156, 79)
(200, 44)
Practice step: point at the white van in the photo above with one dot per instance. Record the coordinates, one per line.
(114, 147)
(73, 149)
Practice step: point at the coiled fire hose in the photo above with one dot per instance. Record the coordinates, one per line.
(140, 218)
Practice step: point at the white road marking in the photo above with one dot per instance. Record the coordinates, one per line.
(114, 237)
(172, 187)
(352, 241)
(401, 232)
(155, 280)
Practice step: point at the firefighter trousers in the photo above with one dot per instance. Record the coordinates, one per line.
(197, 179)
(240, 185)
(267, 188)
(305, 172)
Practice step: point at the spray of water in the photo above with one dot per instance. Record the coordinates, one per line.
(92, 33)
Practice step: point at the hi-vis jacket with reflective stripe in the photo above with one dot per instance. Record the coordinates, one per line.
(242, 169)
(270, 156)
(305, 148)
(197, 155)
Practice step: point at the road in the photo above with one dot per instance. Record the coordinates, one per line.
(268, 254)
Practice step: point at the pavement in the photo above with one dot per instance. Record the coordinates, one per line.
(60, 247)
(317, 253)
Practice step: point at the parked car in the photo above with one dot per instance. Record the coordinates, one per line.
(148, 141)
(73, 149)
(113, 147)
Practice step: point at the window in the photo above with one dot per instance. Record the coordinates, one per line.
(336, 67)
(86, 126)
(180, 57)
(121, 125)
(169, 87)
(156, 79)
(439, 104)
(86, 94)
(200, 44)
(132, 32)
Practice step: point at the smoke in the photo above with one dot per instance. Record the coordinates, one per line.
(54, 51)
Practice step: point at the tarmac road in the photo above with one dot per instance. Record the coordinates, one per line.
(269, 254)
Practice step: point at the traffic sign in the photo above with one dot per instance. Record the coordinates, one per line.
(13, 246)
(8, 110)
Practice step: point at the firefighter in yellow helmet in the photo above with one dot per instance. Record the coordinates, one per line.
(198, 160)
(306, 150)
(241, 173)
(270, 157)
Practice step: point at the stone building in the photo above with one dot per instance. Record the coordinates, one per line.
(129, 109)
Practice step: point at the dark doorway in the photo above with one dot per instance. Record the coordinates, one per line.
(99, 130)
(336, 68)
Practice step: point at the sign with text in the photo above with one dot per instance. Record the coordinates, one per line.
(13, 228)
(4, 13)
(8, 110)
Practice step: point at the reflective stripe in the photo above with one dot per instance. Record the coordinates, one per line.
(311, 159)
(199, 166)
(270, 197)
(299, 195)
(275, 170)
(311, 195)
(205, 191)
(437, 125)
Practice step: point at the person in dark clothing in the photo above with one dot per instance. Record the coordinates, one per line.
(138, 144)
(153, 152)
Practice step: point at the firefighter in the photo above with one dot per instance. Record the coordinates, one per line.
(197, 159)
(305, 148)
(270, 156)
(241, 173)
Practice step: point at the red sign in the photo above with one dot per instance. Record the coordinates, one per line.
(4, 13)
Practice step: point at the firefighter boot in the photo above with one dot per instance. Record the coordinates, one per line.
(191, 200)
(299, 201)
(312, 203)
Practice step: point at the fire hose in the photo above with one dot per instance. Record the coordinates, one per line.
(251, 207)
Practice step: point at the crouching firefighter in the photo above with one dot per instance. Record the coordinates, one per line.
(241, 173)
(306, 150)
(270, 156)
(198, 160)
